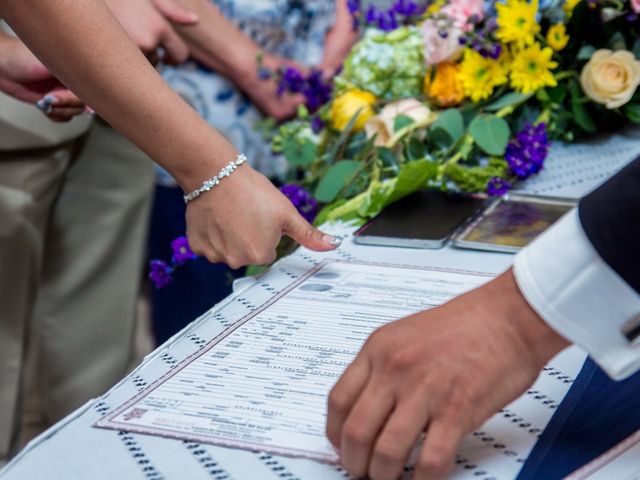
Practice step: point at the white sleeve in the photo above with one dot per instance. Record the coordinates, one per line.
(581, 297)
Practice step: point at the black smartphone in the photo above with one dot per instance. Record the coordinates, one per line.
(424, 219)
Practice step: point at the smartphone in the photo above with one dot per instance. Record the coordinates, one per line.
(512, 222)
(425, 219)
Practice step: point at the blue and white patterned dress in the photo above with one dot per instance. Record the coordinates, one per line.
(294, 29)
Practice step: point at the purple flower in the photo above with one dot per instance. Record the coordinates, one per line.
(353, 6)
(291, 80)
(302, 200)
(527, 152)
(497, 186)
(317, 124)
(317, 90)
(160, 273)
(182, 251)
(407, 8)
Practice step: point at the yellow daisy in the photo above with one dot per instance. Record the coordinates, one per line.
(479, 75)
(517, 22)
(531, 69)
(557, 37)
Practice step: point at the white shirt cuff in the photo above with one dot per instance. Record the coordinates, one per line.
(581, 297)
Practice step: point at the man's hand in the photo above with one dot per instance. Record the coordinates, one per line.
(149, 24)
(443, 372)
(241, 221)
(23, 77)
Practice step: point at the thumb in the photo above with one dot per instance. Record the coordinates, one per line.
(307, 235)
(173, 11)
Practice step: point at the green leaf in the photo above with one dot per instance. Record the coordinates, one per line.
(299, 152)
(586, 52)
(490, 133)
(513, 98)
(387, 157)
(617, 41)
(558, 93)
(336, 179)
(344, 137)
(636, 48)
(412, 177)
(582, 117)
(416, 149)
(451, 122)
(401, 121)
(632, 111)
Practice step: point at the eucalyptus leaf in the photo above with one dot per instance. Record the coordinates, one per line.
(617, 41)
(299, 152)
(387, 157)
(336, 179)
(586, 52)
(490, 133)
(416, 149)
(510, 99)
(401, 121)
(451, 122)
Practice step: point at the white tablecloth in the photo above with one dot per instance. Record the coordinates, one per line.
(73, 449)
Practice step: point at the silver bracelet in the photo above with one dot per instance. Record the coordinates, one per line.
(214, 181)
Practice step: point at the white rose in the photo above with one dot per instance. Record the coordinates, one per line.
(611, 77)
(382, 124)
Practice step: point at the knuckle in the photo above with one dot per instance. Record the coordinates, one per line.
(388, 452)
(356, 434)
(436, 463)
(338, 402)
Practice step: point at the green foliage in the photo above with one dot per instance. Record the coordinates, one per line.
(511, 99)
(632, 111)
(336, 179)
(448, 129)
(299, 152)
(491, 133)
(474, 179)
(400, 122)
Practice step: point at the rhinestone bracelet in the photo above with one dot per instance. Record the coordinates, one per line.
(214, 181)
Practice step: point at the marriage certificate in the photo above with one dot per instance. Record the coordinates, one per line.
(262, 384)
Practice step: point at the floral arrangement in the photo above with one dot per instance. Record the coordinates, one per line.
(461, 95)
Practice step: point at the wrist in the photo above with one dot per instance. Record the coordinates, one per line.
(536, 336)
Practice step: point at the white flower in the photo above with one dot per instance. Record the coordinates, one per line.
(382, 124)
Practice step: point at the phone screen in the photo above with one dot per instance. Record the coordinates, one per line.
(425, 219)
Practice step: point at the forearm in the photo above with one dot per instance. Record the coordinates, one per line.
(216, 42)
(111, 75)
(340, 39)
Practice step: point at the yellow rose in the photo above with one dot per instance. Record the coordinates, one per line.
(382, 124)
(611, 77)
(446, 89)
(347, 105)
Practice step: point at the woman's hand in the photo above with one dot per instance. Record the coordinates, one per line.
(241, 221)
(264, 92)
(23, 77)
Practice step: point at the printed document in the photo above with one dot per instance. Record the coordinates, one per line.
(263, 383)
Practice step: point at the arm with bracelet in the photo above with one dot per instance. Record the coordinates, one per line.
(242, 220)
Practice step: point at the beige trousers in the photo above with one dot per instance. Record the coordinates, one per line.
(73, 223)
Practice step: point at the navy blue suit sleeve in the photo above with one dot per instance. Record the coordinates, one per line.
(610, 216)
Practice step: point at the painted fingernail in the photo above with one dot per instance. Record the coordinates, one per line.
(51, 99)
(333, 241)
